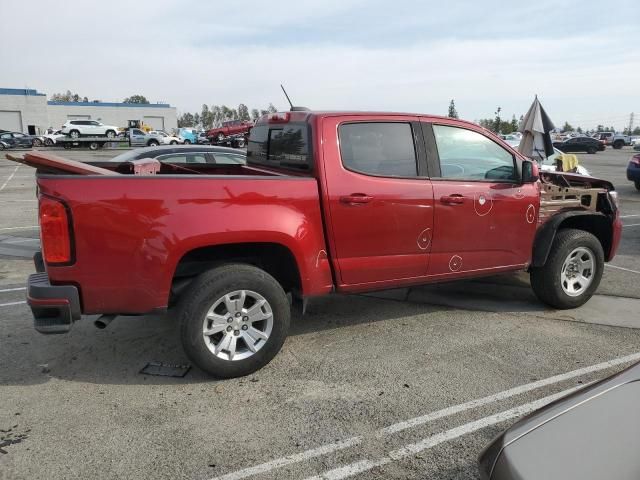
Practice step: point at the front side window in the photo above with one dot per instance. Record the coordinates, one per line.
(229, 158)
(378, 148)
(468, 155)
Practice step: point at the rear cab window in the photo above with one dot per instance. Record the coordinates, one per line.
(281, 146)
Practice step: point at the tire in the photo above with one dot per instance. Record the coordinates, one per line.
(74, 134)
(207, 291)
(94, 146)
(48, 142)
(110, 134)
(187, 142)
(618, 144)
(592, 150)
(637, 184)
(548, 282)
(37, 142)
(1, 146)
(153, 143)
(173, 142)
(220, 137)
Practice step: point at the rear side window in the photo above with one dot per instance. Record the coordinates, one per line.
(280, 146)
(381, 149)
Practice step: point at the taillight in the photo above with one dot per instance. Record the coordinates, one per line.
(54, 231)
(636, 160)
(278, 117)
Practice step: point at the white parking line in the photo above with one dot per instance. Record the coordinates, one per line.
(16, 289)
(12, 303)
(19, 228)
(438, 438)
(629, 216)
(621, 268)
(632, 225)
(332, 447)
(9, 179)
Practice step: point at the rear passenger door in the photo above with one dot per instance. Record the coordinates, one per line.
(485, 219)
(379, 200)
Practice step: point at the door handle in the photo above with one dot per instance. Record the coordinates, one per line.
(356, 199)
(455, 199)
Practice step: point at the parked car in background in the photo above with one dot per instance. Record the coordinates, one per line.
(579, 144)
(88, 128)
(186, 154)
(139, 138)
(188, 135)
(4, 145)
(633, 170)
(203, 139)
(165, 139)
(232, 127)
(20, 140)
(590, 434)
(616, 140)
(49, 139)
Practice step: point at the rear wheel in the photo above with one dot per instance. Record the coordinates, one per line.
(233, 320)
(48, 142)
(111, 134)
(1, 146)
(94, 146)
(74, 134)
(220, 137)
(618, 144)
(153, 143)
(187, 142)
(173, 142)
(572, 272)
(37, 142)
(637, 184)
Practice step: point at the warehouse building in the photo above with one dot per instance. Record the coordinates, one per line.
(28, 111)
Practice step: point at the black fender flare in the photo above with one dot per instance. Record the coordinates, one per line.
(546, 234)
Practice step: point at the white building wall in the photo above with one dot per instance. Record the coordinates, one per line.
(32, 108)
(113, 114)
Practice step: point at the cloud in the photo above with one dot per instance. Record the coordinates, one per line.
(334, 55)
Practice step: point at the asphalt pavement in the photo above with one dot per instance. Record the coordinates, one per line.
(410, 383)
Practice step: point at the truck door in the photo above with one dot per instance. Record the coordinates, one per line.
(485, 219)
(137, 137)
(379, 199)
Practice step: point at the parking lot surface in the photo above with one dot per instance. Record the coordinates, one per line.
(409, 383)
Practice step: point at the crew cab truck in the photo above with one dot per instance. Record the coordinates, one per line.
(328, 202)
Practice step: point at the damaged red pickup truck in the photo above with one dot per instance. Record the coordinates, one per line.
(328, 202)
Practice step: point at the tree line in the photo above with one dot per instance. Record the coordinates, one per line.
(497, 125)
(69, 96)
(211, 117)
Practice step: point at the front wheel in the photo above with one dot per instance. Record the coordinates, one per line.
(572, 272)
(153, 143)
(111, 134)
(37, 142)
(233, 320)
(48, 142)
(637, 184)
(187, 142)
(173, 142)
(74, 134)
(592, 150)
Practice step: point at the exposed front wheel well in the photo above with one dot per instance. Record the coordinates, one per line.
(596, 224)
(275, 259)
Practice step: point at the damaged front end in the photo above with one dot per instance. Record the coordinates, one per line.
(562, 191)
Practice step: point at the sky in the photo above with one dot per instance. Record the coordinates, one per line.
(582, 58)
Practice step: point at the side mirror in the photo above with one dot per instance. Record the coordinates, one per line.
(529, 172)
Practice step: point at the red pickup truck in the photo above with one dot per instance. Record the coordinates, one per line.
(328, 202)
(232, 127)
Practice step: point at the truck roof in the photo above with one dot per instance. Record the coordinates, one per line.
(303, 116)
